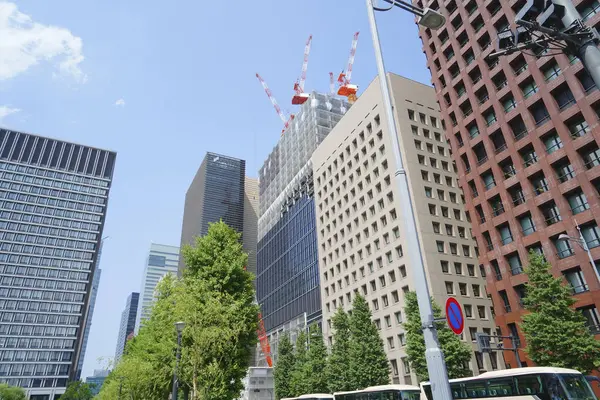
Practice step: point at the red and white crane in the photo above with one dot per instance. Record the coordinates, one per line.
(300, 97)
(286, 121)
(347, 89)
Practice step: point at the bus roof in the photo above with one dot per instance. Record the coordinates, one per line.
(380, 388)
(316, 396)
(515, 372)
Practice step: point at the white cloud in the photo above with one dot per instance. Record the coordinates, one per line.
(5, 111)
(120, 103)
(26, 43)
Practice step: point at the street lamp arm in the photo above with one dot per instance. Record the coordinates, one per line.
(403, 5)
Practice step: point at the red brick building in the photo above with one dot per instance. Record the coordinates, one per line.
(524, 131)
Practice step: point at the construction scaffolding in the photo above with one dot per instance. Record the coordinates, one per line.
(288, 164)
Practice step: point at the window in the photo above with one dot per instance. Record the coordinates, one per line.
(514, 262)
(440, 246)
(551, 72)
(576, 279)
(394, 364)
(462, 287)
(578, 202)
(398, 316)
(527, 226)
(481, 312)
(468, 310)
(563, 248)
(552, 143)
(505, 301)
(505, 234)
(406, 366)
(388, 321)
(591, 235)
(449, 288)
(445, 268)
(529, 88)
(390, 342)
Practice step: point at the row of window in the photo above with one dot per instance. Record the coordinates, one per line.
(37, 295)
(52, 174)
(463, 289)
(35, 383)
(11, 177)
(51, 202)
(18, 281)
(43, 307)
(33, 369)
(60, 194)
(441, 195)
(423, 118)
(46, 251)
(453, 247)
(43, 230)
(459, 270)
(46, 319)
(39, 343)
(43, 272)
(51, 211)
(46, 241)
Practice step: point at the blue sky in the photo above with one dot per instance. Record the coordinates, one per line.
(185, 75)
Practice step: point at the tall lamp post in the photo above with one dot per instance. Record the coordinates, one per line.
(581, 242)
(179, 326)
(436, 365)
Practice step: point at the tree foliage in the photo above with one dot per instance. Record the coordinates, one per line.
(367, 360)
(11, 392)
(284, 367)
(215, 300)
(77, 390)
(298, 383)
(316, 362)
(556, 334)
(456, 352)
(338, 373)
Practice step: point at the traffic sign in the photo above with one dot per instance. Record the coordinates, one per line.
(454, 316)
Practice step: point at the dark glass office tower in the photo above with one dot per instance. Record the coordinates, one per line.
(288, 267)
(216, 193)
(53, 199)
(128, 317)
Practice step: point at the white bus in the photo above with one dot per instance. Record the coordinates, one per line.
(384, 392)
(538, 383)
(316, 396)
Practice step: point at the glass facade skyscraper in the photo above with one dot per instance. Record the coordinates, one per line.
(288, 267)
(128, 317)
(53, 199)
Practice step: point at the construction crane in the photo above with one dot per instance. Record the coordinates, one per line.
(264, 341)
(331, 84)
(300, 97)
(346, 88)
(286, 121)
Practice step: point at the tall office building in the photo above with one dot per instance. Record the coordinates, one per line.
(221, 191)
(162, 260)
(361, 237)
(127, 327)
(97, 380)
(524, 133)
(53, 199)
(287, 276)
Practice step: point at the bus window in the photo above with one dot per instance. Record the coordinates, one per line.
(554, 388)
(458, 391)
(408, 395)
(577, 387)
(529, 384)
(475, 389)
(500, 387)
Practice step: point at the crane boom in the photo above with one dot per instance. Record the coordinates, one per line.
(331, 84)
(273, 101)
(264, 341)
(305, 63)
(346, 77)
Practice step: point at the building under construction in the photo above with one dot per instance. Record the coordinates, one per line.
(287, 281)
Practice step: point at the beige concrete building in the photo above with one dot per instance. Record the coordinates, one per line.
(360, 228)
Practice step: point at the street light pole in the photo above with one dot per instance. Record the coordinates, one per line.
(179, 326)
(436, 365)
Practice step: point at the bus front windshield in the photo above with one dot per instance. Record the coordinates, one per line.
(577, 387)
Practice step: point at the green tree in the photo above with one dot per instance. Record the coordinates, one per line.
(367, 361)
(77, 390)
(456, 352)
(217, 304)
(338, 373)
(215, 300)
(11, 392)
(298, 381)
(316, 362)
(284, 367)
(556, 334)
